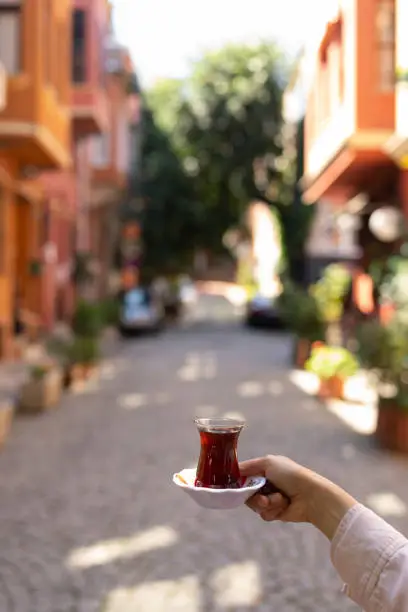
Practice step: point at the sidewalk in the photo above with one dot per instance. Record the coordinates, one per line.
(14, 373)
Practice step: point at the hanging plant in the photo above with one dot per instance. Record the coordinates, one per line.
(35, 267)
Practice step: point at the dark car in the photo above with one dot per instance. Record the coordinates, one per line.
(140, 310)
(263, 311)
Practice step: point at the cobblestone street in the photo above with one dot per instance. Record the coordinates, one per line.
(91, 522)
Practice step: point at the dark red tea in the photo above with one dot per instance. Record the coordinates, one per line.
(218, 463)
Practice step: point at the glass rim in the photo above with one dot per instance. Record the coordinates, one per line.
(219, 423)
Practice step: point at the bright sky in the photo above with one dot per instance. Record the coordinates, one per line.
(164, 35)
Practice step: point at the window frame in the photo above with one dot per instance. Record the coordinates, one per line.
(14, 8)
(79, 48)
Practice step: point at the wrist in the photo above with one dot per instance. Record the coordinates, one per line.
(327, 505)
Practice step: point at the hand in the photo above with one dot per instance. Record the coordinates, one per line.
(287, 476)
(310, 498)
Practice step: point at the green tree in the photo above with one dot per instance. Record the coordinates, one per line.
(230, 123)
(171, 215)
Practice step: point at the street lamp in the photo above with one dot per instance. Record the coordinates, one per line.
(387, 224)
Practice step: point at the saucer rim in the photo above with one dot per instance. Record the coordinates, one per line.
(261, 480)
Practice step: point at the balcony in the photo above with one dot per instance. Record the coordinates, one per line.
(89, 110)
(35, 119)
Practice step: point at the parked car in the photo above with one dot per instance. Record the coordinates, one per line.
(263, 311)
(140, 310)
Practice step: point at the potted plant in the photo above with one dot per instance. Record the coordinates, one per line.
(43, 389)
(384, 351)
(329, 293)
(333, 366)
(87, 321)
(82, 358)
(301, 315)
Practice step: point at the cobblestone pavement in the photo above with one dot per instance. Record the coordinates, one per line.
(89, 519)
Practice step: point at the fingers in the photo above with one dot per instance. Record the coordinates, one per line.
(253, 467)
(269, 508)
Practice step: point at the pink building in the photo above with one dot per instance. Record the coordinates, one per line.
(68, 194)
(111, 156)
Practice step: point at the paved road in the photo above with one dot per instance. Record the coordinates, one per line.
(90, 522)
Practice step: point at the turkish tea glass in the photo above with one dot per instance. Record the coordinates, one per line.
(218, 463)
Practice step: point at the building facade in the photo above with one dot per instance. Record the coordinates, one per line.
(111, 155)
(356, 124)
(68, 194)
(57, 98)
(35, 136)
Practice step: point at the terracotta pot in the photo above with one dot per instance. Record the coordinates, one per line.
(42, 394)
(392, 427)
(302, 352)
(331, 388)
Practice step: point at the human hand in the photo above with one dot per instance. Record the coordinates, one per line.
(306, 497)
(290, 478)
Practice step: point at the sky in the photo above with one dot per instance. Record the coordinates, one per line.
(164, 36)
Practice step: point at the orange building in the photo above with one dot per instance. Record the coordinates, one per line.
(356, 123)
(35, 135)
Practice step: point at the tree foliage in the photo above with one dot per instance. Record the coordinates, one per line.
(212, 144)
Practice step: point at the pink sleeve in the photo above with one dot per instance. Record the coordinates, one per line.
(372, 559)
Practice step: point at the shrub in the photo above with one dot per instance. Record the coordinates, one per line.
(87, 320)
(329, 361)
(300, 313)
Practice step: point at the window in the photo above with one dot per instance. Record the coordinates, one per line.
(385, 25)
(10, 23)
(79, 46)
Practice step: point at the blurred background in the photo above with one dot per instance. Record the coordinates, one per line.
(203, 212)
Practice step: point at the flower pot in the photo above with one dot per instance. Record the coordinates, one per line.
(392, 427)
(90, 371)
(302, 352)
(6, 419)
(331, 388)
(40, 395)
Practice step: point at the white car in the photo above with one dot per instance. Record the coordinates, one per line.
(140, 311)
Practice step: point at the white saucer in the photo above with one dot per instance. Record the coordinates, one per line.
(217, 499)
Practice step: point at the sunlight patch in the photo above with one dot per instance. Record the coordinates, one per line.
(359, 417)
(386, 504)
(250, 388)
(132, 401)
(237, 585)
(306, 381)
(235, 415)
(109, 551)
(182, 595)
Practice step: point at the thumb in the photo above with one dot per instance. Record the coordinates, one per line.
(253, 467)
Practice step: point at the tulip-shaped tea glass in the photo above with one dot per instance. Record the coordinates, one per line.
(218, 463)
